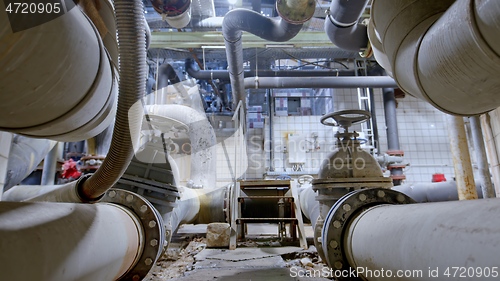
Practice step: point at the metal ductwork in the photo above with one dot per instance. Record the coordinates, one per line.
(238, 20)
(342, 27)
(445, 52)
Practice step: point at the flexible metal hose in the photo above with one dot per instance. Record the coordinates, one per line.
(132, 50)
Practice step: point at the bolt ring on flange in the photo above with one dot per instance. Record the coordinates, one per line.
(341, 214)
(153, 226)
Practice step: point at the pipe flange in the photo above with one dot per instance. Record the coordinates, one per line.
(341, 214)
(152, 223)
(296, 12)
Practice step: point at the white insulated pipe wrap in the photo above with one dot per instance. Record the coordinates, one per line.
(67, 241)
(52, 79)
(427, 236)
(448, 56)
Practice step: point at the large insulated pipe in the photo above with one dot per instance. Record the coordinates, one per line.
(235, 22)
(461, 158)
(482, 161)
(434, 191)
(441, 50)
(24, 157)
(203, 141)
(319, 82)
(342, 27)
(68, 241)
(441, 237)
(55, 63)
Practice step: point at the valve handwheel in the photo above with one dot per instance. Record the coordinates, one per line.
(345, 118)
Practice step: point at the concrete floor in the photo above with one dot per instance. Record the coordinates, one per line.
(260, 257)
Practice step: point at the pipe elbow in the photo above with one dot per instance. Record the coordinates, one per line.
(351, 38)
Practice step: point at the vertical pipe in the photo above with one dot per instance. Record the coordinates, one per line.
(482, 160)
(461, 158)
(49, 166)
(391, 119)
(492, 151)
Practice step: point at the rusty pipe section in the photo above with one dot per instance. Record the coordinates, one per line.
(461, 158)
(482, 159)
(68, 241)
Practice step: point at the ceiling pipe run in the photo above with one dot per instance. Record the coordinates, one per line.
(342, 27)
(235, 22)
(445, 52)
(319, 82)
(224, 74)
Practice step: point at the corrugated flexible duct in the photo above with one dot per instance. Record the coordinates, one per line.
(446, 52)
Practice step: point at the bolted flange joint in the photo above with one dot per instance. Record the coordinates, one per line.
(153, 228)
(342, 213)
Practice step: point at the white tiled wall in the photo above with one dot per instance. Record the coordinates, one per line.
(423, 136)
(422, 130)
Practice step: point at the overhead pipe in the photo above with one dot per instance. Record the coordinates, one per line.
(359, 235)
(167, 73)
(319, 82)
(342, 27)
(235, 22)
(434, 191)
(224, 74)
(177, 13)
(128, 120)
(72, 62)
(24, 157)
(482, 161)
(440, 51)
(461, 158)
(117, 240)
